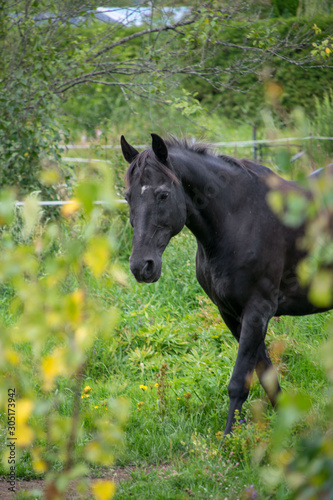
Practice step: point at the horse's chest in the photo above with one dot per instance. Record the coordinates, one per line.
(216, 283)
(228, 279)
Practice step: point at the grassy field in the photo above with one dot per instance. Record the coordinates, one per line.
(170, 360)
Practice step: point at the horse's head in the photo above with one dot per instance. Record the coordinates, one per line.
(157, 206)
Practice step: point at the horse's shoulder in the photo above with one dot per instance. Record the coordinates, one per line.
(256, 168)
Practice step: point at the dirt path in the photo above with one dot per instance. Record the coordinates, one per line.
(117, 475)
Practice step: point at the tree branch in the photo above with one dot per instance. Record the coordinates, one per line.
(141, 34)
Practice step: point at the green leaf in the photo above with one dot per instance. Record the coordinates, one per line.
(320, 292)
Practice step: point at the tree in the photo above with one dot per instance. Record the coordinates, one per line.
(49, 48)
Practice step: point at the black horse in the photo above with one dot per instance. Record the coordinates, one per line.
(246, 258)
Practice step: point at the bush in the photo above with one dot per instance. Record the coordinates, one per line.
(27, 136)
(299, 86)
(285, 8)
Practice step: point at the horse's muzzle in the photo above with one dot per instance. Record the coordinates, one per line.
(145, 270)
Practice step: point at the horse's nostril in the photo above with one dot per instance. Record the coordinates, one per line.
(148, 269)
(145, 270)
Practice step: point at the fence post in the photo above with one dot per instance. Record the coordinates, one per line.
(254, 138)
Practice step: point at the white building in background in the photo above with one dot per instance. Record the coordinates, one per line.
(135, 16)
(129, 16)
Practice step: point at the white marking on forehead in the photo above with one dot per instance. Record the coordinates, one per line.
(144, 188)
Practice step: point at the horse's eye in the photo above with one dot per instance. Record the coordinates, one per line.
(163, 196)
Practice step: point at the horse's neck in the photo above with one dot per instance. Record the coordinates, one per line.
(209, 193)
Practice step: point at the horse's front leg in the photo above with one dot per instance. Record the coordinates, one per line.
(252, 336)
(264, 367)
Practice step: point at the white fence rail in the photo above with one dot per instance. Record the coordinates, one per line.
(241, 144)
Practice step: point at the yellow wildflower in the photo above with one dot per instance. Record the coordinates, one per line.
(143, 387)
(219, 435)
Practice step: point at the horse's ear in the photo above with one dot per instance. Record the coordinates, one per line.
(159, 148)
(128, 151)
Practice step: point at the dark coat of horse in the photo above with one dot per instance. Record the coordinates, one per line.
(246, 258)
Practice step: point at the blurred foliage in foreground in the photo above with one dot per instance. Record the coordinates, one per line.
(53, 323)
(307, 467)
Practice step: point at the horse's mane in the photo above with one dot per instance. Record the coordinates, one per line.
(196, 147)
(200, 148)
(207, 149)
